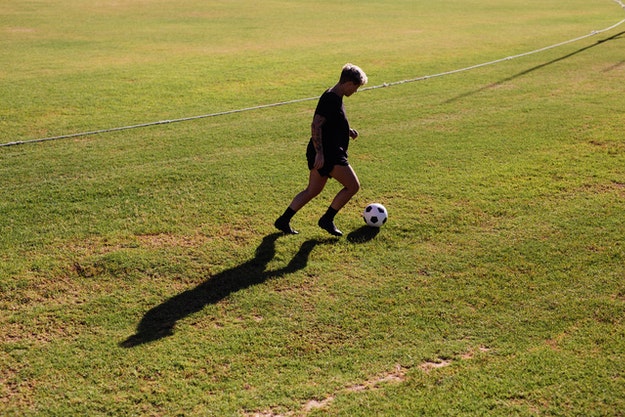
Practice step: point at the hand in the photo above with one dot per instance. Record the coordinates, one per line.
(353, 133)
(319, 161)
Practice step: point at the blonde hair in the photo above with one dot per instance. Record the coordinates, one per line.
(354, 74)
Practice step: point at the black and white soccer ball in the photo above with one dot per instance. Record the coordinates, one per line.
(375, 215)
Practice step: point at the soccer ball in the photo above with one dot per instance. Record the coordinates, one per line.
(375, 215)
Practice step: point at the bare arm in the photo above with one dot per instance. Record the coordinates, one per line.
(317, 123)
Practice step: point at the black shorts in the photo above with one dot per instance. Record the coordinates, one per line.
(330, 160)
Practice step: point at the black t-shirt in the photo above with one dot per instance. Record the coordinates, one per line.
(335, 131)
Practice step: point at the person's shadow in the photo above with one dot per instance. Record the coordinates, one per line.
(159, 322)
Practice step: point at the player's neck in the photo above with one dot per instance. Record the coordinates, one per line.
(338, 90)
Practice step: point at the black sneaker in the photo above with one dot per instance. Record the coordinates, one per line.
(284, 226)
(328, 226)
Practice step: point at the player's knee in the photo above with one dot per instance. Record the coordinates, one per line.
(313, 191)
(354, 187)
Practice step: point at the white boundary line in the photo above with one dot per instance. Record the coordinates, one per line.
(283, 103)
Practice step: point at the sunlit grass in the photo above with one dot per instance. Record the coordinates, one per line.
(140, 273)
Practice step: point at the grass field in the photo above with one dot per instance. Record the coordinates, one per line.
(140, 274)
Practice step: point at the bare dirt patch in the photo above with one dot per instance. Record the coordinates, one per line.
(397, 375)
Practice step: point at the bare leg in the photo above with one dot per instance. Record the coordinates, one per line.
(316, 183)
(347, 177)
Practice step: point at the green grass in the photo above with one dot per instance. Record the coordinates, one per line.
(139, 270)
